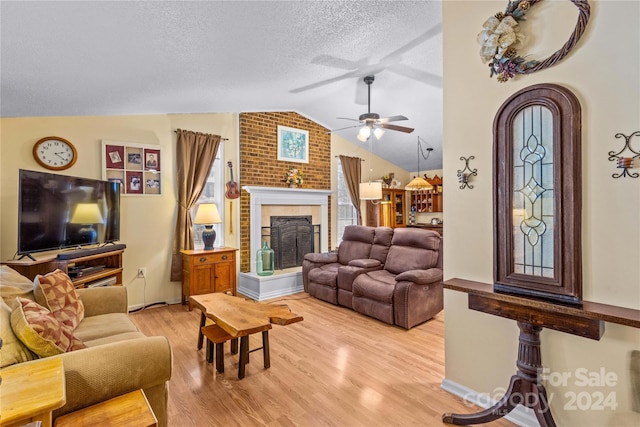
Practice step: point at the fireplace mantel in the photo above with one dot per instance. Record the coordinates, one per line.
(260, 196)
(283, 282)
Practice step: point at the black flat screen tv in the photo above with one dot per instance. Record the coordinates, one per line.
(58, 211)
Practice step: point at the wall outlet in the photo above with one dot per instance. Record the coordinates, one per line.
(142, 272)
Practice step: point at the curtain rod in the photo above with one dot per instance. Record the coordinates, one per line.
(221, 139)
(362, 160)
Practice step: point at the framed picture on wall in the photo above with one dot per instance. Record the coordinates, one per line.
(136, 166)
(293, 145)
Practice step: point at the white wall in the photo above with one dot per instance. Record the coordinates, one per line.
(147, 223)
(604, 73)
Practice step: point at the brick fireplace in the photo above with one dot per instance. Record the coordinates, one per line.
(268, 202)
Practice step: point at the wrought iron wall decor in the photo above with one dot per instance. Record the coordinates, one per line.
(625, 162)
(466, 173)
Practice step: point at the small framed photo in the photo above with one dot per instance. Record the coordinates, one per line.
(152, 160)
(134, 158)
(114, 157)
(134, 183)
(151, 183)
(293, 145)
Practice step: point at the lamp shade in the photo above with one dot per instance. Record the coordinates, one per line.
(207, 213)
(86, 213)
(418, 183)
(370, 191)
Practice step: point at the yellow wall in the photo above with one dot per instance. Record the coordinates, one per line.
(147, 222)
(604, 73)
(378, 166)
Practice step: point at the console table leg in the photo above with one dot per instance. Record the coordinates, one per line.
(525, 387)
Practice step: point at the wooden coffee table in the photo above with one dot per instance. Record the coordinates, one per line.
(240, 318)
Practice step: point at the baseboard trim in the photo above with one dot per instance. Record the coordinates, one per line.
(520, 415)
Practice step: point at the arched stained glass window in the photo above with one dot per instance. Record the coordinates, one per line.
(537, 193)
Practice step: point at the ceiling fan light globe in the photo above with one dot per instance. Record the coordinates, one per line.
(378, 132)
(364, 133)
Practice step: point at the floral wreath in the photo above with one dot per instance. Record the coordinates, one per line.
(501, 37)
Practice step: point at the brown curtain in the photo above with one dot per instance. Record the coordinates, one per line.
(195, 153)
(351, 172)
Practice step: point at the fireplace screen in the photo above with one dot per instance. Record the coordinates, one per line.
(291, 238)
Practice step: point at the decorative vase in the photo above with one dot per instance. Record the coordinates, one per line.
(265, 259)
(293, 185)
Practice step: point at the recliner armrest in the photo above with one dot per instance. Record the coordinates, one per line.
(421, 277)
(103, 300)
(365, 263)
(323, 258)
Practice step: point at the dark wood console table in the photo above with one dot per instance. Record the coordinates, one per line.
(525, 387)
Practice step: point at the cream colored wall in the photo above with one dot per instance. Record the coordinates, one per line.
(603, 71)
(147, 222)
(373, 168)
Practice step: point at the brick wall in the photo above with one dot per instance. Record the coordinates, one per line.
(259, 165)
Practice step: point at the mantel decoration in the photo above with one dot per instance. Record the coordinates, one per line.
(294, 177)
(501, 38)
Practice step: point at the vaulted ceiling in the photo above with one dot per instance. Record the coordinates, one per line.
(152, 57)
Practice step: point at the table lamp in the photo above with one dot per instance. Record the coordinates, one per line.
(87, 214)
(207, 215)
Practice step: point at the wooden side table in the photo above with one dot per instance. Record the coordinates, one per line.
(129, 410)
(31, 392)
(208, 271)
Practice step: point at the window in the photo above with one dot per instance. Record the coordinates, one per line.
(537, 192)
(347, 214)
(213, 193)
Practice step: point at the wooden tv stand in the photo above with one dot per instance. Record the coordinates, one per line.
(112, 261)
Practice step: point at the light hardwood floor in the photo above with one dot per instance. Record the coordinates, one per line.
(336, 368)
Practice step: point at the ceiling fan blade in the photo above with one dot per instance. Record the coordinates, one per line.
(435, 30)
(347, 118)
(396, 127)
(415, 74)
(392, 119)
(348, 127)
(324, 82)
(344, 64)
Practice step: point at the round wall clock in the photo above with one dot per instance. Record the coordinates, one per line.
(55, 153)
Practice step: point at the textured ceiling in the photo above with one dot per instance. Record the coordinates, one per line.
(150, 57)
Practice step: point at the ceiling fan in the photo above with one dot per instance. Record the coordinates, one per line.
(372, 122)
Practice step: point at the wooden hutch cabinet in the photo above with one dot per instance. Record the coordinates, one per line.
(393, 208)
(207, 271)
(428, 200)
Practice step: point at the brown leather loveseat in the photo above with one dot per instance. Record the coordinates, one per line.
(393, 275)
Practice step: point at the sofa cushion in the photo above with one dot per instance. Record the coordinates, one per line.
(356, 243)
(412, 249)
(377, 285)
(104, 325)
(40, 331)
(381, 243)
(114, 338)
(13, 350)
(56, 292)
(325, 275)
(14, 284)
